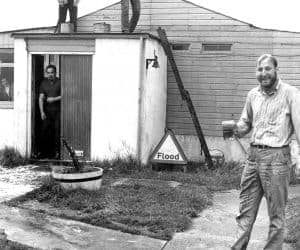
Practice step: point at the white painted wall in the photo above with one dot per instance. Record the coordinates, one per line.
(128, 101)
(21, 96)
(115, 93)
(6, 127)
(14, 126)
(153, 100)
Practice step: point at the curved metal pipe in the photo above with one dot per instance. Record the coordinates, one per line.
(129, 26)
(136, 10)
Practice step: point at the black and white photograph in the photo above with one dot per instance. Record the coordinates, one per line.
(149, 124)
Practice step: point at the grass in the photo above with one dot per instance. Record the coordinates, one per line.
(144, 207)
(11, 157)
(145, 204)
(224, 177)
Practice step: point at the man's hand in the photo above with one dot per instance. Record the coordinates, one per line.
(51, 99)
(43, 116)
(235, 130)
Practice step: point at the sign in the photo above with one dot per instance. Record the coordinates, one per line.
(168, 151)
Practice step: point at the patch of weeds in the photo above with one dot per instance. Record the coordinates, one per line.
(11, 157)
(120, 165)
(225, 177)
(148, 208)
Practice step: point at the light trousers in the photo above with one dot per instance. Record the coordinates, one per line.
(265, 174)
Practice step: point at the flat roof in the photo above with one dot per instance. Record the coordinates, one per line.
(84, 35)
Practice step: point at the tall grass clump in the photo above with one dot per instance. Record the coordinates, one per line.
(11, 157)
(121, 165)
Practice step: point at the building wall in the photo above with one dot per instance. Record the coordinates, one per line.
(128, 114)
(153, 92)
(6, 131)
(22, 97)
(6, 110)
(217, 81)
(115, 93)
(123, 93)
(14, 125)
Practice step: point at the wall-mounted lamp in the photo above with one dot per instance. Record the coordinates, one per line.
(155, 63)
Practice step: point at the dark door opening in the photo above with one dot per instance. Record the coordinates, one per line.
(75, 73)
(40, 146)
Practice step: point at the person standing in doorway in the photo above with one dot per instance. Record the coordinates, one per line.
(49, 104)
(272, 112)
(64, 6)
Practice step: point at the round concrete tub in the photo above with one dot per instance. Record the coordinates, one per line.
(90, 180)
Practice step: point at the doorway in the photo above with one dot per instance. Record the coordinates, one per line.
(75, 73)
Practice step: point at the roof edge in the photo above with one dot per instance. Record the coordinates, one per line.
(26, 29)
(84, 35)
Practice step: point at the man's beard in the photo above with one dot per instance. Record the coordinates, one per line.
(272, 80)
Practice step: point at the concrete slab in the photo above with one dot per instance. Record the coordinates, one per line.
(216, 226)
(214, 229)
(18, 181)
(48, 232)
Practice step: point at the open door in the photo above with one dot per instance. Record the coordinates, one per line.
(76, 84)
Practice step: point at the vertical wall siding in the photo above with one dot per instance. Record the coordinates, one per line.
(76, 75)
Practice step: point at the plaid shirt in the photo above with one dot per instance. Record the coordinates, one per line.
(274, 117)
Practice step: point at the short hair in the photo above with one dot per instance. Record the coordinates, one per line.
(51, 66)
(269, 57)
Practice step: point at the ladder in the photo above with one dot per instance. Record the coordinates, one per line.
(185, 95)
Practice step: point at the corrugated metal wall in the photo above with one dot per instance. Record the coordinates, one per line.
(76, 81)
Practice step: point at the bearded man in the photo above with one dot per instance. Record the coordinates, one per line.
(272, 112)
